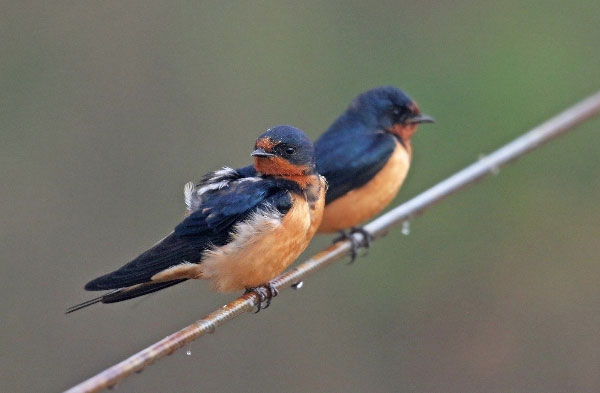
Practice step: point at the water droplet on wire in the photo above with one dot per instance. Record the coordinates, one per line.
(189, 350)
(493, 170)
(405, 228)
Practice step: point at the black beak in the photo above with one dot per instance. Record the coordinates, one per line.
(421, 118)
(261, 153)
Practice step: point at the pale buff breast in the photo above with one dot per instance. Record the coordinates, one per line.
(361, 204)
(262, 247)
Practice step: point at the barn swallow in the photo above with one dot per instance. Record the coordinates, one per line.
(364, 155)
(243, 233)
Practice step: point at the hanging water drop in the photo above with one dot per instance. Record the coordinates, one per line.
(406, 228)
(189, 350)
(493, 170)
(298, 285)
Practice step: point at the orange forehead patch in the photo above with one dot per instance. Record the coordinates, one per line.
(267, 144)
(414, 108)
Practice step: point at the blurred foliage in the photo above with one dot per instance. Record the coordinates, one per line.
(109, 107)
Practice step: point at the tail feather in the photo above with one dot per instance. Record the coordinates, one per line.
(118, 295)
(138, 290)
(90, 302)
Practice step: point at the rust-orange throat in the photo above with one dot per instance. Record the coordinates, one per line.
(268, 160)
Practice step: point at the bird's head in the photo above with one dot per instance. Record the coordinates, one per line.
(389, 109)
(284, 151)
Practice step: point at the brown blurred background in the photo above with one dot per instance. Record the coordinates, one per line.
(109, 107)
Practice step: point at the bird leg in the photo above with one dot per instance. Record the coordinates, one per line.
(265, 293)
(355, 245)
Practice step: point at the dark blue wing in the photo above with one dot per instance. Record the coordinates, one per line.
(209, 226)
(247, 171)
(170, 251)
(349, 161)
(194, 194)
(222, 209)
(130, 293)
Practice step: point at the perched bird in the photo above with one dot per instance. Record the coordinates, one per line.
(241, 234)
(364, 155)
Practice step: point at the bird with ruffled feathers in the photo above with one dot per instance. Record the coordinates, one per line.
(242, 233)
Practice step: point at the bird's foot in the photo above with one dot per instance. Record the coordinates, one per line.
(265, 294)
(355, 245)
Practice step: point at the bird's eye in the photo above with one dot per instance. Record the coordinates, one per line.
(398, 114)
(290, 150)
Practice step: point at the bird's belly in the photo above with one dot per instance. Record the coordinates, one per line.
(262, 248)
(365, 202)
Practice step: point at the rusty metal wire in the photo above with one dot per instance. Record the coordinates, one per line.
(529, 141)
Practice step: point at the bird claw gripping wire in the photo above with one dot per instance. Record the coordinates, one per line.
(356, 245)
(265, 294)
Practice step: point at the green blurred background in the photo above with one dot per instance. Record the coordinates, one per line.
(109, 107)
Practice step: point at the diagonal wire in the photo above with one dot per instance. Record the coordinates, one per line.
(529, 141)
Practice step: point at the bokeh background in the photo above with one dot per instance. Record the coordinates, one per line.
(107, 108)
